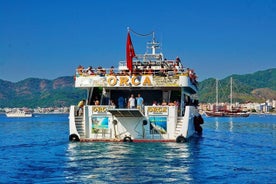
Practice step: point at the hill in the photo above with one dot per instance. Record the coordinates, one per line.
(33, 92)
(60, 92)
(255, 87)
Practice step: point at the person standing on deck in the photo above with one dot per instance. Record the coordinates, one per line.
(80, 106)
(131, 102)
(140, 102)
(121, 102)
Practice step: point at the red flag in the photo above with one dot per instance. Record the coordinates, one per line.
(129, 52)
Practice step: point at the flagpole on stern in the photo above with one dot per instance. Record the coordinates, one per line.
(129, 52)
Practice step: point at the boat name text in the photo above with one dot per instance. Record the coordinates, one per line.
(99, 109)
(157, 110)
(129, 81)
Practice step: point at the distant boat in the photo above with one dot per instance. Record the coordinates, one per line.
(224, 112)
(18, 114)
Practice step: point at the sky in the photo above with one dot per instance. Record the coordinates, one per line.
(48, 39)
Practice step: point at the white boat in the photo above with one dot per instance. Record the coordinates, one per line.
(18, 114)
(156, 79)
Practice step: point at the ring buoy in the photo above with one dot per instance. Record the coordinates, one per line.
(74, 138)
(127, 139)
(115, 122)
(181, 139)
(145, 122)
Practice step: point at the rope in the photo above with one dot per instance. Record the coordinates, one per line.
(139, 34)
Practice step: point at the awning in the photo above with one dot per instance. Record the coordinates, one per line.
(126, 112)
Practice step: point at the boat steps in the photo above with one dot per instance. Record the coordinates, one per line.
(178, 126)
(79, 125)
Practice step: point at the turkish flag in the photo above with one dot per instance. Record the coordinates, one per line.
(129, 52)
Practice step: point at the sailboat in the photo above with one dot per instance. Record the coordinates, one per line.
(218, 112)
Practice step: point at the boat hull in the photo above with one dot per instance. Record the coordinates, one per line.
(18, 115)
(226, 114)
(107, 124)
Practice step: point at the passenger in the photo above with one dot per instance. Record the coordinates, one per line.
(131, 102)
(112, 103)
(80, 70)
(175, 70)
(178, 63)
(100, 71)
(137, 71)
(89, 71)
(176, 103)
(164, 103)
(149, 70)
(121, 102)
(171, 104)
(80, 106)
(154, 103)
(162, 71)
(97, 102)
(125, 72)
(111, 71)
(140, 102)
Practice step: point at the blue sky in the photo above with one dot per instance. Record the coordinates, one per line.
(49, 38)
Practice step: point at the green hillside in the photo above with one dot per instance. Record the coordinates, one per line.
(33, 92)
(244, 87)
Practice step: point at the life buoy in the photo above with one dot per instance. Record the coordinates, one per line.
(115, 122)
(181, 139)
(74, 138)
(127, 139)
(145, 122)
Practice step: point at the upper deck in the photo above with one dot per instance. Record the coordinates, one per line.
(143, 71)
(156, 80)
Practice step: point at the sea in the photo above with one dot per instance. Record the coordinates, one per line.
(230, 150)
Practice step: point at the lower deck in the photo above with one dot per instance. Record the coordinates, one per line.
(110, 124)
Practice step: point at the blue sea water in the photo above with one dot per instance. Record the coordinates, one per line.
(231, 150)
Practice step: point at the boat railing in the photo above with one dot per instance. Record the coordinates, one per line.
(150, 68)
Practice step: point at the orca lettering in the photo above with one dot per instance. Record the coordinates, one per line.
(129, 81)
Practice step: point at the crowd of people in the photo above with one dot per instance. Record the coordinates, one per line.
(165, 68)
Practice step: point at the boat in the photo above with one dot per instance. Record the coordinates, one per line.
(169, 112)
(18, 114)
(219, 111)
(226, 113)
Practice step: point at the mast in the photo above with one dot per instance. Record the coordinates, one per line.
(216, 95)
(231, 93)
(153, 45)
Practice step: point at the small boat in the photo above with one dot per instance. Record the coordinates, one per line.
(169, 110)
(18, 114)
(226, 114)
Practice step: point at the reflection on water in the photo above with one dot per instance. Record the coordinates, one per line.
(131, 162)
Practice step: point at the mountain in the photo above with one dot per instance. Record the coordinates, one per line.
(33, 92)
(255, 87)
(60, 92)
